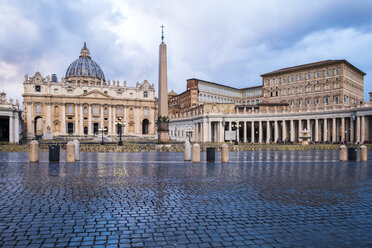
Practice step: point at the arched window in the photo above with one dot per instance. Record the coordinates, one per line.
(95, 110)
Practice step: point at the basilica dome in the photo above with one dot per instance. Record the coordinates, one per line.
(84, 66)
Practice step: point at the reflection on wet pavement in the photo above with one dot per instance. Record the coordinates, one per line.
(259, 198)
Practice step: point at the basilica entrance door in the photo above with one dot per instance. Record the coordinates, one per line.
(95, 128)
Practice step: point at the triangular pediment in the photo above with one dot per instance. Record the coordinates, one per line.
(95, 94)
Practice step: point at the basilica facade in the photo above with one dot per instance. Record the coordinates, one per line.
(84, 105)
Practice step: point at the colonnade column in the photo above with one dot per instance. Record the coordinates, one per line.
(308, 127)
(252, 132)
(316, 130)
(76, 126)
(342, 129)
(63, 124)
(276, 130)
(16, 128)
(259, 131)
(222, 131)
(90, 119)
(351, 130)
(363, 129)
(358, 129)
(11, 133)
(268, 132)
(244, 130)
(292, 131)
(334, 139)
(325, 134)
(237, 130)
(299, 129)
(205, 131)
(284, 130)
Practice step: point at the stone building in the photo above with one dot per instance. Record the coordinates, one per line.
(323, 101)
(83, 104)
(10, 120)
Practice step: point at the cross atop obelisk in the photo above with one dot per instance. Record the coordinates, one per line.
(162, 32)
(163, 119)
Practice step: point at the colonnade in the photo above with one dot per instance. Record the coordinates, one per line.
(353, 129)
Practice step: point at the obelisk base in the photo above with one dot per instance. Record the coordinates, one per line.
(163, 137)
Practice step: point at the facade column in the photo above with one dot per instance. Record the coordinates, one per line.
(230, 125)
(259, 131)
(11, 129)
(334, 138)
(268, 132)
(252, 132)
(343, 129)
(284, 130)
(244, 130)
(30, 128)
(114, 131)
(299, 129)
(63, 124)
(316, 130)
(76, 126)
(138, 122)
(101, 115)
(205, 131)
(325, 127)
(292, 131)
(49, 115)
(90, 119)
(308, 127)
(351, 130)
(81, 120)
(363, 130)
(276, 131)
(110, 120)
(358, 129)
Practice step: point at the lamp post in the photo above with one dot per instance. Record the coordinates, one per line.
(119, 126)
(102, 130)
(188, 134)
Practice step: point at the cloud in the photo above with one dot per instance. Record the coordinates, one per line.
(229, 42)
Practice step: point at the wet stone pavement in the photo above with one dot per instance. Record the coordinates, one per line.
(259, 199)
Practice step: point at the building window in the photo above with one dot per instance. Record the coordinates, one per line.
(38, 108)
(291, 103)
(316, 101)
(145, 111)
(119, 111)
(308, 88)
(37, 88)
(55, 91)
(299, 77)
(85, 91)
(326, 73)
(95, 110)
(317, 74)
(291, 79)
(336, 99)
(105, 111)
(308, 75)
(307, 101)
(145, 94)
(337, 71)
(337, 85)
(299, 89)
(291, 91)
(326, 100)
(69, 109)
(85, 110)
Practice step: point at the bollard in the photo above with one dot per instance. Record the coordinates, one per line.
(196, 153)
(363, 153)
(343, 153)
(187, 151)
(77, 149)
(34, 151)
(70, 152)
(225, 153)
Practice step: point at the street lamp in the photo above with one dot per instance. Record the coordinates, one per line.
(188, 134)
(102, 130)
(119, 126)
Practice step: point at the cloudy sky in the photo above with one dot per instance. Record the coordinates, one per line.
(228, 42)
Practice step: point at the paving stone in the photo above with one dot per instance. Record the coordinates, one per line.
(258, 199)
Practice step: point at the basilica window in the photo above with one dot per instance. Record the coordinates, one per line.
(69, 109)
(37, 88)
(105, 111)
(38, 108)
(316, 101)
(307, 101)
(335, 99)
(298, 102)
(119, 111)
(95, 110)
(85, 110)
(145, 94)
(145, 111)
(326, 100)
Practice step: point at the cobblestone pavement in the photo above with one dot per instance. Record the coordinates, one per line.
(259, 199)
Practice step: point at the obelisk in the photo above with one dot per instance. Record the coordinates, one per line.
(163, 118)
